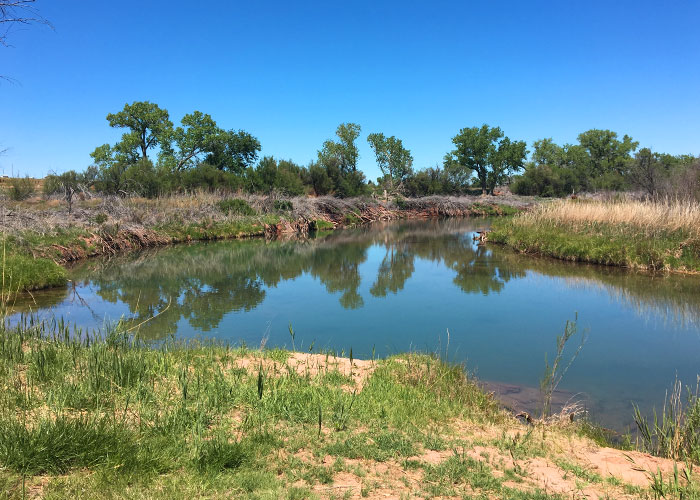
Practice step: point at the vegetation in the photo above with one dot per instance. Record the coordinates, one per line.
(676, 433)
(21, 188)
(155, 158)
(89, 415)
(488, 153)
(602, 161)
(394, 161)
(636, 234)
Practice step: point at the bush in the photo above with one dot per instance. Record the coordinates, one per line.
(235, 206)
(21, 188)
(206, 177)
(401, 204)
(283, 205)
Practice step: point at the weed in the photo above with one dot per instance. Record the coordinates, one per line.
(677, 433)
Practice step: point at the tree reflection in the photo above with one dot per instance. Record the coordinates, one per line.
(201, 283)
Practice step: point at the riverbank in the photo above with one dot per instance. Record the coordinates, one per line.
(113, 417)
(40, 236)
(653, 236)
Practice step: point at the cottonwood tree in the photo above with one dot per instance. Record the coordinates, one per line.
(393, 160)
(339, 159)
(149, 127)
(233, 150)
(194, 138)
(344, 151)
(607, 154)
(199, 136)
(487, 152)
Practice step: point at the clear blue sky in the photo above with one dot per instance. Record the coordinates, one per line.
(290, 72)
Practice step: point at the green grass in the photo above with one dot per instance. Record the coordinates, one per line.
(22, 272)
(30, 257)
(321, 225)
(601, 243)
(109, 415)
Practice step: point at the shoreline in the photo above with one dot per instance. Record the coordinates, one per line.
(281, 423)
(36, 254)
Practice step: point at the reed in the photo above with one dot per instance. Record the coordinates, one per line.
(656, 236)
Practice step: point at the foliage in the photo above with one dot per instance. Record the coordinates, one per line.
(283, 205)
(488, 153)
(148, 126)
(235, 206)
(393, 160)
(339, 159)
(21, 188)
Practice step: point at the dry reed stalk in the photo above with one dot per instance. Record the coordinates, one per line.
(668, 215)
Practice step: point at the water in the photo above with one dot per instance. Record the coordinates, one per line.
(401, 286)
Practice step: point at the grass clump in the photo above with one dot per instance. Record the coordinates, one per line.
(218, 454)
(235, 206)
(60, 444)
(676, 432)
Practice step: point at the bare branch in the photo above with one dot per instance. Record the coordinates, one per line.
(18, 12)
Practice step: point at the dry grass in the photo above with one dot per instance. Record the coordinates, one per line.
(667, 215)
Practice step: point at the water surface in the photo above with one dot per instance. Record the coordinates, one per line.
(398, 286)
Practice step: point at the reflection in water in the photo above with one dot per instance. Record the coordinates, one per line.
(203, 282)
(398, 286)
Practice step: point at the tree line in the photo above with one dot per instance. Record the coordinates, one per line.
(156, 157)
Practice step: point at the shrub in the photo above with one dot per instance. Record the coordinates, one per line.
(21, 188)
(100, 218)
(235, 206)
(283, 205)
(401, 204)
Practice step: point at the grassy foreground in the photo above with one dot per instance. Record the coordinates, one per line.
(639, 235)
(83, 417)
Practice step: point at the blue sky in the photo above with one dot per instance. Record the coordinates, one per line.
(290, 72)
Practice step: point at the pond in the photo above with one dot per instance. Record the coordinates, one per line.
(401, 286)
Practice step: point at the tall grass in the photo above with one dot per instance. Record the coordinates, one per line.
(647, 216)
(676, 432)
(662, 235)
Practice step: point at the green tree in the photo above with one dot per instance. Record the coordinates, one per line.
(546, 152)
(339, 158)
(509, 157)
(234, 151)
(344, 151)
(393, 159)
(489, 153)
(149, 126)
(607, 154)
(196, 137)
